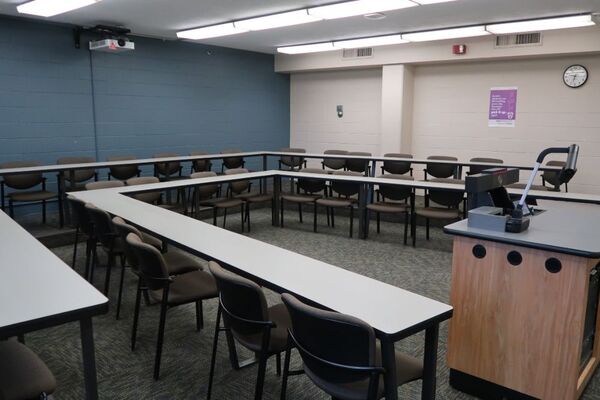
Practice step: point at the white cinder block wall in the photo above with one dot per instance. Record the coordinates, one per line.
(314, 124)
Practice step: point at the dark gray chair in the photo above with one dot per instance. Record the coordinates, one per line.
(247, 319)
(83, 226)
(80, 176)
(204, 195)
(230, 200)
(169, 291)
(344, 200)
(358, 165)
(292, 162)
(21, 183)
(334, 163)
(168, 171)
(341, 354)
(123, 172)
(232, 162)
(551, 177)
(392, 199)
(477, 169)
(241, 190)
(23, 375)
(397, 167)
(308, 191)
(154, 197)
(200, 165)
(440, 170)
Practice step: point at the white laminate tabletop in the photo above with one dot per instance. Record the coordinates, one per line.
(36, 284)
(387, 308)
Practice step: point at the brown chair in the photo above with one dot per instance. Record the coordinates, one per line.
(334, 163)
(123, 172)
(345, 191)
(307, 192)
(21, 183)
(448, 200)
(440, 170)
(232, 162)
(358, 165)
(241, 190)
(204, 195)
(83, 225)
(80, 176)
(177, 262)
(154, 197)
(247, 319)
(23, 375)
(551, 177)
(341, 354)
(397, 167)
(169, 291)
(292, 162)
(168, 171)
(477, 169)
(231, 201)
(392, 199)
(103, 185)
(201, 165)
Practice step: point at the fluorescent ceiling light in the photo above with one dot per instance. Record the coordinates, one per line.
(211, 31)
(307, 48)
(276, 20)
(425, 2)
(358, 7)
(442, 34)
(49, 8)
(368, 42)
(541, 24)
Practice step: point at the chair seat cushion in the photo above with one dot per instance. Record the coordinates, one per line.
(388, 207)
(329, 202)
(37, 195)
(173, 178)
(255, 197)
(152, 240)
(229, 203)
(408, 369)
(188, 288)
(438, 212)
(211, 202)
(179, 262)
(279, 335)
(301, 198)
(22, 374)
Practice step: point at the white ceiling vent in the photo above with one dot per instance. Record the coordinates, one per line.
(364, 52)
(520, 39)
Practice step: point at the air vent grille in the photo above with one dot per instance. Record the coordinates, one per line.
(363, 52)
(521, 39)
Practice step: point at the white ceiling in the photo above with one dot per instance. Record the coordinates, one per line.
(163, 18)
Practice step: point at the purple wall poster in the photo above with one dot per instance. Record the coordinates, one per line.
(503, 107)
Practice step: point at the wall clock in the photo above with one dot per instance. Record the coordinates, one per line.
(575, 76)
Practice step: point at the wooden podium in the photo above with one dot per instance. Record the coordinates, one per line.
(525, 321)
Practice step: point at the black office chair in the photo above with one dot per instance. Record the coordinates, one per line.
(292, 162)
(397, 167)
(392, 199)
(440, 170)
(308, 191)
(334, 163)
(477, 169)
(449, 201)
(340, 354)
(247, 319)
(201, 165)
(232, 162)
(123, 172)
(169, 291)
(357, 164)
(345, 191)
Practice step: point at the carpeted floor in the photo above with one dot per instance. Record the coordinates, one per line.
(123, 374)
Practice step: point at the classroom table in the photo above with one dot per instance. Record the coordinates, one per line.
(40, 291)
(393, 312)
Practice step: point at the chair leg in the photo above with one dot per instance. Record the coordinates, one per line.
(44, 212)
(260, 379)
(351, 220)
(247, 216)
(281, 210)
(278, 364)
(136, 314)
(111, 262)
(215, 210)
(224, 216)
(161, 332)
(378, 222)
(328, 219)
(214, 354)
(75, 246)
(94, 261)
(61, 215)
(88, 256)
(286, 369)
(427, 228)
(300, 212)
(405, 228)
(199, 315)
(121, 279)
(332, 218)
(315, 218)
(11, 208)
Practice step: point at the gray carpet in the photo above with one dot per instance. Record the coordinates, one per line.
(123, 374)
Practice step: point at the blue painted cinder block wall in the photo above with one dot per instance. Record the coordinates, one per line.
(166, 96)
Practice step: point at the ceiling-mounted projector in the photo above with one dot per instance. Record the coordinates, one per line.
(112, 45)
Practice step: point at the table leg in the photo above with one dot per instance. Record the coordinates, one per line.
(388, 358)
(363, 223)
(263, 186)
(275, 205)
(413, 218)
(62, 192)
(430, 362)
(89, 359)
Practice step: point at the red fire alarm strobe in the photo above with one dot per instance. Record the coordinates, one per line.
(459, 49)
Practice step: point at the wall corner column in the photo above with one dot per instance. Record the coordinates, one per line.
(397, 90)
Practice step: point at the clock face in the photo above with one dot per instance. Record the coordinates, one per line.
(575, 76)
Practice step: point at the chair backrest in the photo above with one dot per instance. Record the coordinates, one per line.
(151, 264)
(81, 216)
(241, 186)
(358, 165)
(205, 191)
(335, 347)
(124, 229)
(80, 175)
(394, 192)
(102, 222)
(243, 302)
(167, 168)
(335, 163)
(200, 165)
(441, 170)
(123, 172)
(346, 189)
(21, 181)
(292, 161)
(476, 169)
(312, 185)
(147, 197)
(397, 167)
(232, 162)
(445, 197)
(551, 176)
(103, 185)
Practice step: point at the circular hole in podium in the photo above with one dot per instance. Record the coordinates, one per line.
(479, 251)
(553, 265)
(514, 258)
